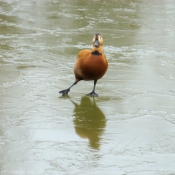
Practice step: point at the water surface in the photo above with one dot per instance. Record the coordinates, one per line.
(129, 129)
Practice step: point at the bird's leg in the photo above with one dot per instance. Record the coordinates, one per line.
(65, 92)
(93, 94)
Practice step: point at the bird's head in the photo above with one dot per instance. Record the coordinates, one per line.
(97, 40)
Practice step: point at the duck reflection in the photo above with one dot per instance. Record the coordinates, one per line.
(89, 121)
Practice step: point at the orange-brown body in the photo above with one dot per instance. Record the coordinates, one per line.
(89, 66)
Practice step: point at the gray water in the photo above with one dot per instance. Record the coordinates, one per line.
(129, 129)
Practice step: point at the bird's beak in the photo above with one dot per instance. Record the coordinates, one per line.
(96, 43)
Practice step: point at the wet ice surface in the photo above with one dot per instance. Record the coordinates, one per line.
(128, 129)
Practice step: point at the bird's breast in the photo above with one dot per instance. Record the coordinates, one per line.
(90, 66)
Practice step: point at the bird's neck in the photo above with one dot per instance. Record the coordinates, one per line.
(97, 49)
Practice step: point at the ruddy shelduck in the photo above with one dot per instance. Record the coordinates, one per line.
(90, 65)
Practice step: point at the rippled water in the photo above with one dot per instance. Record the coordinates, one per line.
(128, 129)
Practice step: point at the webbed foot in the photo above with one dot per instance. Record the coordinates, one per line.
(92, 94)
(64, 92)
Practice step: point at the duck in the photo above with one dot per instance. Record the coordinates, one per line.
(90, 65)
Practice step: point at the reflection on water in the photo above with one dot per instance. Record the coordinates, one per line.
(89, 121)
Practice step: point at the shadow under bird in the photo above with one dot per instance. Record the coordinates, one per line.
(90, 65)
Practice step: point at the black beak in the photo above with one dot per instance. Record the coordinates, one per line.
(96, 43)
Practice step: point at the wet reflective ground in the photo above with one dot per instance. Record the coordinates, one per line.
(129, 129)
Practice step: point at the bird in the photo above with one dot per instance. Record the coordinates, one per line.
(90, 65)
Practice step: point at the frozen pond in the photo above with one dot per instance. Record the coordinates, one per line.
(129, 129)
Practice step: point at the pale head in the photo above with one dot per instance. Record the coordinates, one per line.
(97, 43)
(97, 40)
